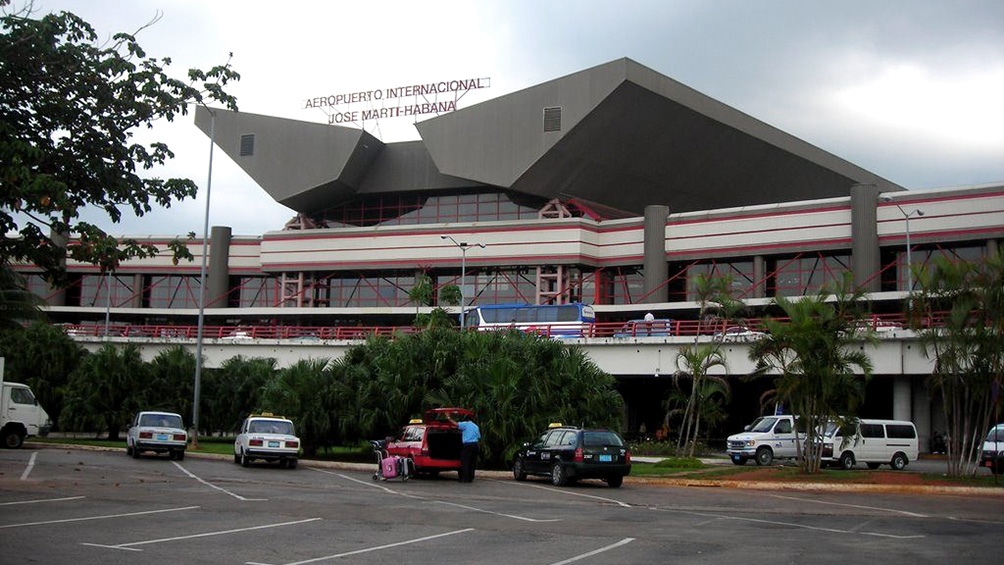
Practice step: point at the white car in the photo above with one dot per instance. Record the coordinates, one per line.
(739, 334)
(269, 438)
(159, 432)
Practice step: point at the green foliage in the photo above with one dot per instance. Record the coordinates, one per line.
(300, 393)
(43, 357)
(233, 391)
(104, 391)
(968, 348)
(171, 382)
(814, 355)
(71, 104)
(17, 304)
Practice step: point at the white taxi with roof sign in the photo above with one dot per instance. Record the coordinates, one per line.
(269, 438)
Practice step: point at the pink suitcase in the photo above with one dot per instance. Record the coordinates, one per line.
(388, 467)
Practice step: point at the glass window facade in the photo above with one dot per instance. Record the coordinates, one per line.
(413, 209)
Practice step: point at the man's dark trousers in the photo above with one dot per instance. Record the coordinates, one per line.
(468, 457)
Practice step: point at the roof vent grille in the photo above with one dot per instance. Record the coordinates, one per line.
(247, 145)
(552, 119)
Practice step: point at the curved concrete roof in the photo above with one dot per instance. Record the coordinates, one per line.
(624, 136)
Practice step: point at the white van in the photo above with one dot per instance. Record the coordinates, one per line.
(873, 442)
(766, 439)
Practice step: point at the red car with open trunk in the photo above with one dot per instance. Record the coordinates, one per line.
(433, 442)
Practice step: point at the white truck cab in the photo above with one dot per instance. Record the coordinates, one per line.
(766, 439)
(20, 414)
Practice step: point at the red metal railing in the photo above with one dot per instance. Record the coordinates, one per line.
(658, 328)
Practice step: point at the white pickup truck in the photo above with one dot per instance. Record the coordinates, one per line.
(766, 439)
(20, 414)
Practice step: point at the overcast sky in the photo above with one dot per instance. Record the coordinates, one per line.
(912, 90)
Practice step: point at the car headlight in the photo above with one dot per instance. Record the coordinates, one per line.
(750, 442)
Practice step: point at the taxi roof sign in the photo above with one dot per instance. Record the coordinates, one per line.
(554, 425)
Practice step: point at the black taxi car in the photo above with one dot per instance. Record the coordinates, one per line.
(567, 454)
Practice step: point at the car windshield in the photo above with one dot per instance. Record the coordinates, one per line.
(764, 425)
(996, 434)
(600, 438)
(271, 427)
(161, 420)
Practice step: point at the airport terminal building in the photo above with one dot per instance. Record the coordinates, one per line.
(614, 186)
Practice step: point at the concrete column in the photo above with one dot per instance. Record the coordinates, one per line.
(218, 268)
(58, 296)
(922, 416)
(865, 256)
(136, 300)
(759, 272)
(654, 263)
(902, 398)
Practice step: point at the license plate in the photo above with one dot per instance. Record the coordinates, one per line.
(273, 444)
(605, 459)
(735, 457)
(162, 437)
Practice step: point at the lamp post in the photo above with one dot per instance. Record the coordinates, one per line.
(464, 246)
(202, 287)
(909, 257)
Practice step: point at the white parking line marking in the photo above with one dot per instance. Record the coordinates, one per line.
(129, 546)
(513, 516)
(369, 549)
(42, 500)
(904, 512)
(31, 465)
(789, 524)
(105, 517)
(568, 492)
(374, 484)
(221, 489)
(624, 541)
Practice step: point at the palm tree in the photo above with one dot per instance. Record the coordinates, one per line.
(299, 393)
(233, 391)
(17, 303)
(106, 390)
(811, 352)
(968, 347)
(42, 356)
(695, 364)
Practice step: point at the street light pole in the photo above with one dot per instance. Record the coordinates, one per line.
(464, 246)
(202, 286)
(909, 252)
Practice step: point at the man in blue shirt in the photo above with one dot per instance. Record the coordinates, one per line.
(470, 435)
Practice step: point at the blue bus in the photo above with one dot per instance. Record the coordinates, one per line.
(561, 320)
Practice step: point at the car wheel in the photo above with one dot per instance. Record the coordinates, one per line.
(13, 439)
(135, 452)
(898, 462)
(764, 456)
(739, 461)
(237, 457)
(847, 461)
(291, 464)
(873, 466)
(128, 450)
(245, 460)
(179, 455)
(996, 468)
(558, 477)
(518, 471)
(615, 481)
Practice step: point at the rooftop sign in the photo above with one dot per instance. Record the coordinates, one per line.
(394, 102)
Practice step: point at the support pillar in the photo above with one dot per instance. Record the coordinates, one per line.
(218, 274)
(902, 398)
(654, 263)
(865, 256)
(922, 417)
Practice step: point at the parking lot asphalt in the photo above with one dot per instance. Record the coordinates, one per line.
(927, 464)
